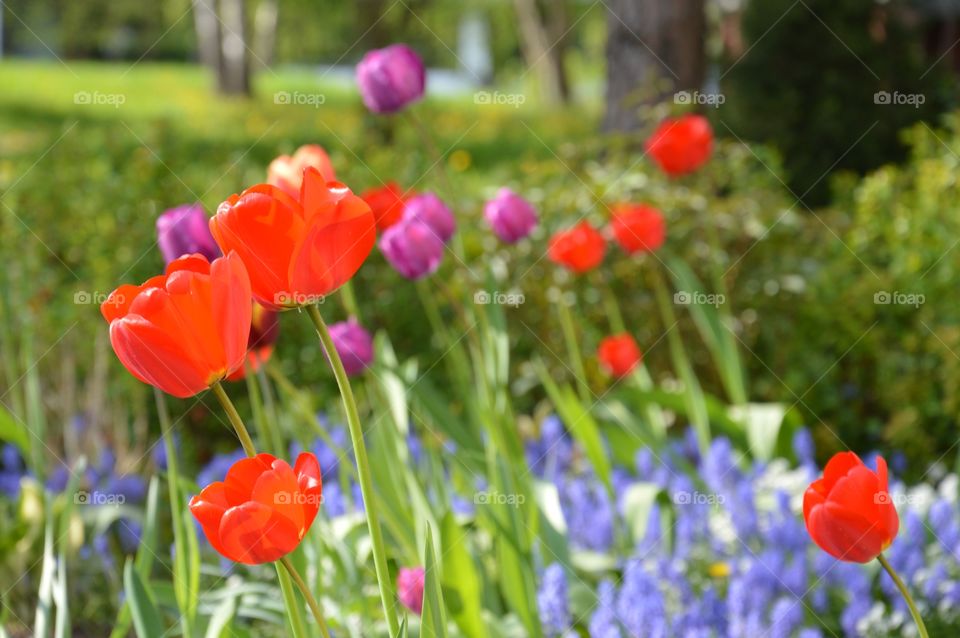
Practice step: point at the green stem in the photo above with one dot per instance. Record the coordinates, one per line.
(573, 350)
(181, 584)
(350, 300)
(298, 624)
(311, 601)
(906, 595)
(363, 469)
(235, 419)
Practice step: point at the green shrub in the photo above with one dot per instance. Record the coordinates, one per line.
(808, 80)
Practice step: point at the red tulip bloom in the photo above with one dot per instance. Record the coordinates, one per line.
(262, 509)
(580, 248)
(848, 512)
(386, 203)
(286, 173)
(619, 354)
(186, 329)
(296, 251)
(681, 145)
(264, 328)
(638, 228)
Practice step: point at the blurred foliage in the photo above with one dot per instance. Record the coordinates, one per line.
(83, 184)
(308, 32)
(808, 84)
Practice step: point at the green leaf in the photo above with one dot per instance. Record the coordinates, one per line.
(714, 329)
(762, 422)
(581, 424)
(220, 619)
(638, 502)
(461, 582)
(146, 617)
(433, 622)
(15, 432)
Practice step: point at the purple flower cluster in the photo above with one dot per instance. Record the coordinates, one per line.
(730, 556)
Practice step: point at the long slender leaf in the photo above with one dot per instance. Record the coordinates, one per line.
(461, 581)
(433, 622)
(146, 616)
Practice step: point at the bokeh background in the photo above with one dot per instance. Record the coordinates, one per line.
(833, 190)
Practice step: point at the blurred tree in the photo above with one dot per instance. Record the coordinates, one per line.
(831, 83)
(654, 48)
(221, 27)
(543, 34)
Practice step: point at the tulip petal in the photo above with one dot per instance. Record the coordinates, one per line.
(263, 225)
(309, 477)
(232, 309)
(277, 488)
(340, 234)
(152, 356)
(253, 533)
(242, 477)
(208, 507)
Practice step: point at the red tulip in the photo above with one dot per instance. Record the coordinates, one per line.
(286, 173)
(848, 512)
(264, 328)
(262, 509)
(296, 251)
(186, 329)
(681, 145)
(386, 203)
(619, 354)
(638, 228)
(580, 248)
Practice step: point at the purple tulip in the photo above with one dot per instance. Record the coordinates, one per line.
(185, 230)
(431, 210)
(410, 588)
(510, 216)
(412, 248)
(354, 345)
(390, 78)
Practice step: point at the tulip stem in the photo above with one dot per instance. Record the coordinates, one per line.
(363, 470)
(906, 595)
(573, 350)
(235, 419)
(311, 601)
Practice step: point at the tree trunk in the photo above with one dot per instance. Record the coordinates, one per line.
(235, 76)
(208, 33)
(265, 32)
(543, 46)
(654, 48)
